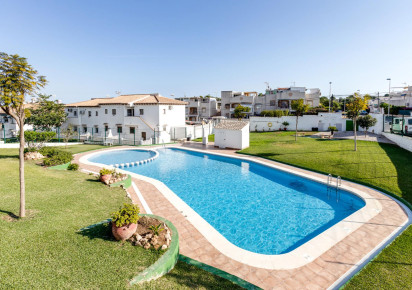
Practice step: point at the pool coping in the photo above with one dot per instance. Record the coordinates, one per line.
(302, 255)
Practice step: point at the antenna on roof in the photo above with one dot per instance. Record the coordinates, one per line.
(118, 93)
(267, 85)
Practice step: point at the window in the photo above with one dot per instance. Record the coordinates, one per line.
(75, 128)
(84, 129)
(97, 113)
(90, 113)
(119, 129)
(131, 130)
(141, 112)
(227, 106)
(105, 111)
(96, 129)
(272, 103)
(106, 128)
(130, 112)
(75, 113)
(203, 110)
(144, 135)
(164, 111)
(113, 112)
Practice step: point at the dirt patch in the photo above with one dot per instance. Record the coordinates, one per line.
(148, 237)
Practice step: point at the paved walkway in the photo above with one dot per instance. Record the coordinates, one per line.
(318, 274)
(350, 135)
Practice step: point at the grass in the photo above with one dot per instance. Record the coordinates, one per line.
(211, 138)
(384, 166)
(45, 250)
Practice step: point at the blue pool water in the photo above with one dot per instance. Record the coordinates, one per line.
(123, 156)
(255, 207)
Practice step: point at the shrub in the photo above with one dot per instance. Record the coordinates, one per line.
(37, 139)
(127, 214)
(30, 149)
(55, 156)
(106, 171)
(73, 166)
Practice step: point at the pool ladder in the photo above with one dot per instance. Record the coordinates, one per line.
(331, 187)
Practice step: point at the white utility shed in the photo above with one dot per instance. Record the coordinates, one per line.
(232, 134)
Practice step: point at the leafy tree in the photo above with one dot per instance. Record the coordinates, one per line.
(47, 114)
(366, 122)
(17, 80)
(286, 124)
(67, 133)
(324, 102)
(354, 109)
(240, 111)
(300, 108)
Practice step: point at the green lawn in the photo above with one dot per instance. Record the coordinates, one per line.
(211, 138)
(45, 249)
(379, 165)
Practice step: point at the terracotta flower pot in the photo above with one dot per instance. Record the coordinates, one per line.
(124, 232)
(106, 178)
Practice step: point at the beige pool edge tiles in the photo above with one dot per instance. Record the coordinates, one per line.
(319, 273)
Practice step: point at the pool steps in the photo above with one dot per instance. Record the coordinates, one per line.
(137, 163)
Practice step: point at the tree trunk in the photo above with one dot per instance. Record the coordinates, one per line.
(366, 130)
(22, 212)
(296, 131)
(354, 133)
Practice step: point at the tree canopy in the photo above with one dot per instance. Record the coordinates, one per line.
(47, 114)
(240, 111)
(354, 108)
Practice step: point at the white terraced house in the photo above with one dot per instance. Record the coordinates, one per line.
(128, 119)
(198, 109)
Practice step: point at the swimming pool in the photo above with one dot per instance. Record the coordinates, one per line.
(122, 157)
(255, 207)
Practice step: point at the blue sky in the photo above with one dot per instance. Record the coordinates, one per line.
(93, 48)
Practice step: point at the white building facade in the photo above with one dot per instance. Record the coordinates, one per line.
(138, 118)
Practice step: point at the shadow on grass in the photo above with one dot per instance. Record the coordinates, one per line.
(9, 156)
(10, 214)
(93, 180)
(101, 231)
(401, 159)
(185, 274)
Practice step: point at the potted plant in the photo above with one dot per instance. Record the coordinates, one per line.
(286, 124)
(124, 221)
(106, 175)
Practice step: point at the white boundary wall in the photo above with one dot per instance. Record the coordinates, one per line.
(321, 121)
(402, 141)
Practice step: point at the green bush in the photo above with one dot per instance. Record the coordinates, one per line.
(73, 166)
(128, 214)
(55, 156)
(30, 149)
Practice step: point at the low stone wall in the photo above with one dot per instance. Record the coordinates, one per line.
(402, 141)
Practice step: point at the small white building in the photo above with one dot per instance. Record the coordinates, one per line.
(232, 134)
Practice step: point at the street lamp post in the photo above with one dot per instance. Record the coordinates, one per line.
(330, 92)
(389, 93)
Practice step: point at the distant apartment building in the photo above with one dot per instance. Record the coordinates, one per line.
(231, 99)
(273, 99)
(198, 109)
(137, 116)
(281, 98)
